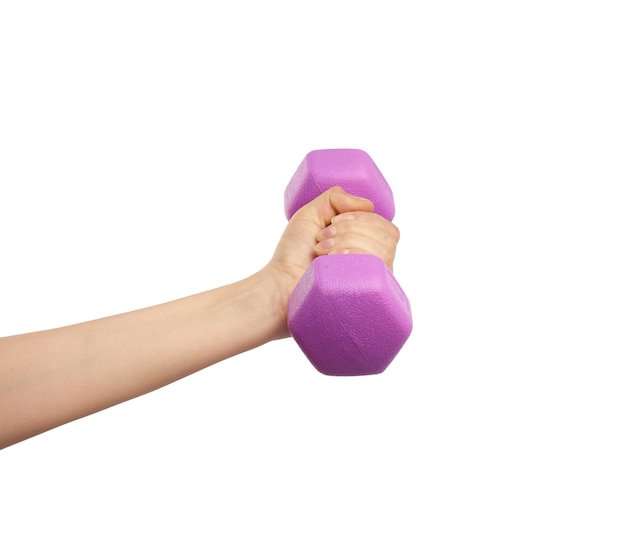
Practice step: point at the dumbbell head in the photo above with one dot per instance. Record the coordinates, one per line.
(353, 170)
(348, 314)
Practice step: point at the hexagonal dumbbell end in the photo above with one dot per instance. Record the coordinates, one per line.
(348, 314)
(353, 170)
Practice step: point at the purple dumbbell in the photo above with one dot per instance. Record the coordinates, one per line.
(348, 314)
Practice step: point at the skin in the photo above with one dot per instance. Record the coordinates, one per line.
(52, 377)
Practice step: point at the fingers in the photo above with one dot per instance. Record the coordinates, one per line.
(337, 222)
(359, 232)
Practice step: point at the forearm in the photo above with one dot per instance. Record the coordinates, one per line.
(52, 377)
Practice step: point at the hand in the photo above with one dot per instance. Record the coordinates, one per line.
(335, 222)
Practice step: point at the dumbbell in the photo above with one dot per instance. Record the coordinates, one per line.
(348, 314)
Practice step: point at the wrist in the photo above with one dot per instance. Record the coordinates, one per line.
(275, 287)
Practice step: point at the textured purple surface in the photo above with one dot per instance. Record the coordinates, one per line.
(352, 169)
(349, 315)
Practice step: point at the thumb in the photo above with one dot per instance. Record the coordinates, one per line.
(332, 202)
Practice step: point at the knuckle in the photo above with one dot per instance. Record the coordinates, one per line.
(395, 231)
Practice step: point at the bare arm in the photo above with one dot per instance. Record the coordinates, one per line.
(55, 376)
(51, 377)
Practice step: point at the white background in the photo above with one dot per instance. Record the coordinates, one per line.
(144, 150)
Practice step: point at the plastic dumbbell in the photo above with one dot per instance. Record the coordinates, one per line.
(348, 313)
